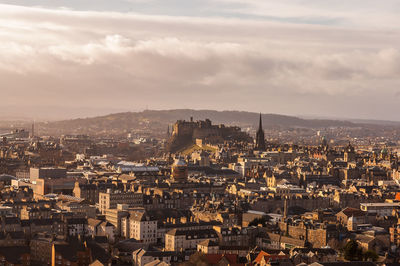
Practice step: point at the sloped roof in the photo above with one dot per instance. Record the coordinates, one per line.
(98, 253)
(266, 256)
(216, 258)
(208, 243)
(352, 212)
(93, 222)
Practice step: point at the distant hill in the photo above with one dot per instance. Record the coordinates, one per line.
(376, 122)
(155, 122)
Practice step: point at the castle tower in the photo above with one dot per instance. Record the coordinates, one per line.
(260, 138)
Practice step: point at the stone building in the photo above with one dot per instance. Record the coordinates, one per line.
(109, 200)
(317, 235)
(186, 132)
(141, 226)
(179, 171)
(177, 240)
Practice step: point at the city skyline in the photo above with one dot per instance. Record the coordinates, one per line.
(68, 59)
(202, 132)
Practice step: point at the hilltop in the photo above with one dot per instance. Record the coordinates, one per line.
(155, 122)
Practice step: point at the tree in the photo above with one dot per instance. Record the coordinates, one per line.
(370, 255)
(352, 251)
(197, 259)
(335, 244)
(263, 220)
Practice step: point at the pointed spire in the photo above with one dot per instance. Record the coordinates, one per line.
(33, 129)
(260, 139)
(169, 133)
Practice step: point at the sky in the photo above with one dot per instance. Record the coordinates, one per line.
(76, 58)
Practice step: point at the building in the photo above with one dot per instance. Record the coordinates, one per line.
(41, 246)
(15, 255)
(381, 209)
(142, 226)
(208, 247)
(260, 138)
(16, 134)
(179, 171)
(101, 228)
(201, 158)
(186, 132)
(110, 200)
(72, 253)
(91, 191)
(28, 213)
(147, 256)
(176, 240)
(47, 173)
(60, 185)
(76, 226)
(358, 215)
(115, 216)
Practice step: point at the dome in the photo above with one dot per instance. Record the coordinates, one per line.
(179, 171)
(5, 177)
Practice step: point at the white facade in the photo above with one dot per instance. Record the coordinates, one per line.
(145, 231)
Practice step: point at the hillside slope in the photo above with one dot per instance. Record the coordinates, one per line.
(152, 121)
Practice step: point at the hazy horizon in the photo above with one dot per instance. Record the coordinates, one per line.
(93, 113)
(69, 59)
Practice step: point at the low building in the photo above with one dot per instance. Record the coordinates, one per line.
(101, 228)
(208, 247)
(176, 240)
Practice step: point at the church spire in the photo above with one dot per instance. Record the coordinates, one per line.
(260, 139)
(33, 130)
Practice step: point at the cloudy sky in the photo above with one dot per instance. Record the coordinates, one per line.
(78, 58)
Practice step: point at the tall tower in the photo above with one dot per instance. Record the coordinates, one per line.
(285, 208)
(349, 153)
(260, 138)
(168, 133)
(33, 130)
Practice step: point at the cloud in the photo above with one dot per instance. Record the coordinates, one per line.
(354, 13)
(132, 61)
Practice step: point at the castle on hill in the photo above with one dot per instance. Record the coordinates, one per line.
(185, 133)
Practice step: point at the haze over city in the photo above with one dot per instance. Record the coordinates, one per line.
(65, 59)
(199, 132)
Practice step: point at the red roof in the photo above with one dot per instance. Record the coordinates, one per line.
(397, 196)
(268, 256)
